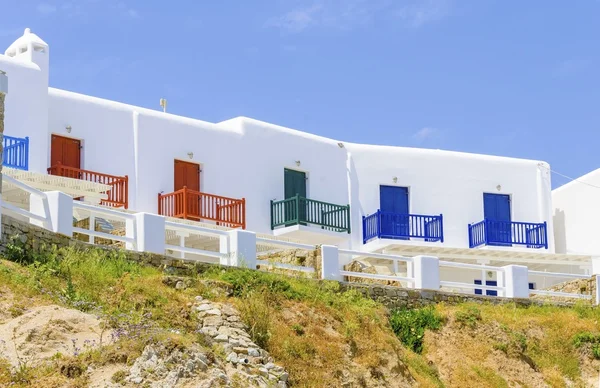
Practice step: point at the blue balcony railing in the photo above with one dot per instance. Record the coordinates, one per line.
(508, 233)
(402, 226)
(16, 152)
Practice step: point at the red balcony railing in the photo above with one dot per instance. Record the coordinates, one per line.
(117, 195)
(194, 205)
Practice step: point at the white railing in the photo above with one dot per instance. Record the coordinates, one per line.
(110, 215)
(270, 246)
(180, 231)
(44, 219)
(396, 259)
(154, 234)
(501, 289)
(560, 293)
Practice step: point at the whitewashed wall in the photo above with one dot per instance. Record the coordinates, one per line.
(448, 183)
(239, 158)
(577, 215)
(27, 106)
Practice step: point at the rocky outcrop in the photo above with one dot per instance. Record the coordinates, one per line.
(221, 324)
(241, 361)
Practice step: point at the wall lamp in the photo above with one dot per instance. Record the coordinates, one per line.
(190, 155)
(395, 179)
(341, 145)
(68, 128)
(298, 163)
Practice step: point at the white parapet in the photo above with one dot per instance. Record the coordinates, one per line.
(426, 272)
(330, 266)
(240, 246)
(56, 206)
(516, 281)
(148, 230)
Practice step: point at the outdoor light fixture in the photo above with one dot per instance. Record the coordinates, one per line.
(395, 179)
(498, 187)
(298, 163)
(68, 128)
(191, 155)
(3, 82)
(341, 145)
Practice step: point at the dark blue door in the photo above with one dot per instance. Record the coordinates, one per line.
(393, 202)
(496, 210)
(493, 283)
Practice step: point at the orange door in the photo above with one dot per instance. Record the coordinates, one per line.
(187, 175)
(65, 151)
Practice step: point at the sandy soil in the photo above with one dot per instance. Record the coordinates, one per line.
(46, 330)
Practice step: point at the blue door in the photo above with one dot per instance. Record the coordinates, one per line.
(493, 283)
(496, 210)
(393, 202)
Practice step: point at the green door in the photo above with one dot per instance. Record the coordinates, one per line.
(295, 184)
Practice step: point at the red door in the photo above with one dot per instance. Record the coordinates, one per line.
(65, 151)
(187, 175)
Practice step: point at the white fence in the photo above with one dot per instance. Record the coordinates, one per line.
(153, 233)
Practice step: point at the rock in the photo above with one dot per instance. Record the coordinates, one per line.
(210, 331)
(137, 380)
(180, 285)
(204, 307)
(263, 372)
(213, 320)
(233, 318)
(269, 366)
(214, 312)
(253, 352)
(232, 357)
(284, 377)
(221, 338)
(198, 298)
(235, 342)
(228, 310)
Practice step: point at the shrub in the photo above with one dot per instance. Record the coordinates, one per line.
(584, 338)
(468, 316)
(410, 325)
(256, 313)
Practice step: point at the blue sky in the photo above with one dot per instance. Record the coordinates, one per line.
(513, 78)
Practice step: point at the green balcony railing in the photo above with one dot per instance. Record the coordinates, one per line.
(302, 211)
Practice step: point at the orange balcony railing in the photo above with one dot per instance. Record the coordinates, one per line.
(117, 195)
(194, 205)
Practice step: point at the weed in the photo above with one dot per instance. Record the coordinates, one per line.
(410, 326)
(468, 316)
(298, 329)
(584, 338)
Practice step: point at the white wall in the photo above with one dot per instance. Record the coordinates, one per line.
(577, 215)
(448, 183)
(239, 158)
(245, 158)
(105, 128)
(26, 106)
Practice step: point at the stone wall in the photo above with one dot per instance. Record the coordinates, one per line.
(394, 297)
(35, 240)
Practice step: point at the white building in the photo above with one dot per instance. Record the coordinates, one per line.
(576, 214)
(275, 180)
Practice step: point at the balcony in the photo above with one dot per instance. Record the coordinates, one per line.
(197, 206)
(396, 226)
(292, 217)
(16, 152)
(119, 190)
(508, 233)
